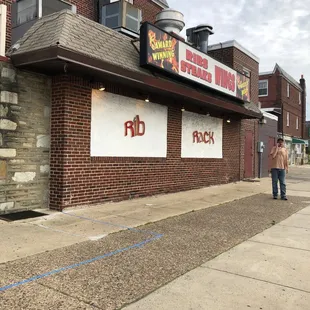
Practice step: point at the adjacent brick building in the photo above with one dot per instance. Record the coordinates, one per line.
(281, 94)
(96, 79)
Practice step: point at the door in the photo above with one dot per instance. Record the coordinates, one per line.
(271, 144)
(248, 154)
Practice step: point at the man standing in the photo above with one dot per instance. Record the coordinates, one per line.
(279, 168)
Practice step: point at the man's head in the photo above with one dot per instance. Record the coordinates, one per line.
(280, 142)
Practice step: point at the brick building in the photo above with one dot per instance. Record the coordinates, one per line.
(281, 94)
(129, 114)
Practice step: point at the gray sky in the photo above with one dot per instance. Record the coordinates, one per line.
(274, 30)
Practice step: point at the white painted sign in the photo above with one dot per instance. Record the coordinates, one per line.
(202, 136)
(3, 11)
(127, 127)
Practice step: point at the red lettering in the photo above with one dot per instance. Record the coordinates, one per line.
(195, 137)
(189, 66)
(217, 75)
(196, 59)
(205, 63)
(135, 127)
(183, 66)
(189, 55)
(129, 126)
(225, 79)
(203, 137)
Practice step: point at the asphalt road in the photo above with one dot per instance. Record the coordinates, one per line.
(130, 264)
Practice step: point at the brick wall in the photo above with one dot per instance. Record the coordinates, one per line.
(149, 9)
(76, 178)
(277, 97)
(271, 100)
(235, 58)
(86, 8)
(291, 105)
(24, 139)
(242, 61)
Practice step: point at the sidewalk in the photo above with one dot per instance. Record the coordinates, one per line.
(95, 271)
(269, 271)
(57, 230)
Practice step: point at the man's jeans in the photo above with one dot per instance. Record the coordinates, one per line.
(278, 175)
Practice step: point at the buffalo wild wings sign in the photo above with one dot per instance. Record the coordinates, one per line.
(158, 49)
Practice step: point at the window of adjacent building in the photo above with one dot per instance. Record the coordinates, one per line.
(288, 90)
(24, 11)
(263, 88)
(133, 18)
(297, 123)
(52, 6)
(121, 15)
(288, 119)
(111, 15)
(27, 10)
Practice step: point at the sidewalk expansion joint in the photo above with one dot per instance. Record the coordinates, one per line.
(71, 296)
(256, 279)
(290, 226)
(279, 245)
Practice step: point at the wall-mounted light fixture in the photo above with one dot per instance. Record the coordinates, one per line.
(183, 109)
(228, 120)
(147, 99)
(208, 114)
(101, 88)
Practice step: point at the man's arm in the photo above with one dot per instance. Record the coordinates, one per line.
(286, 161)
(274, 152)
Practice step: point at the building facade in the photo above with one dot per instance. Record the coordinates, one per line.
(126, 113)
(283, 96)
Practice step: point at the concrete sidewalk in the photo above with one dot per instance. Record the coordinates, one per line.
(57, 230)
(119, 269)
(269, 271)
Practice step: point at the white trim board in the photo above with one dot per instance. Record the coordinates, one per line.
(233, 43)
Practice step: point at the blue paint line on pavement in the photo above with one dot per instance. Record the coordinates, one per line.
(110, 224)
(55, 271)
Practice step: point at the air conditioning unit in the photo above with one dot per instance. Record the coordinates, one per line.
(121, 16)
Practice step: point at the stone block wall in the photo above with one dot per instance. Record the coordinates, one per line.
(25, 103)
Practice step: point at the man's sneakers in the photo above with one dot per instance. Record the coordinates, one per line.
(284, 198)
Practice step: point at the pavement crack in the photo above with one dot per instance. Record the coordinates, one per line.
(307, 228)
(278, 245)
(256, 279)
(71, 296)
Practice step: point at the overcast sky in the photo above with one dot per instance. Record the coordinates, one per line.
(274, 30)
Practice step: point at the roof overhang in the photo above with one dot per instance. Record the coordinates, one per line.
(56, 60)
